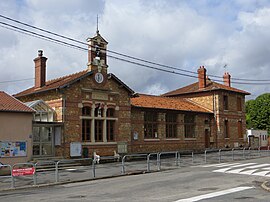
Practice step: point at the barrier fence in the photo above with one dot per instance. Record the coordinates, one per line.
(64, 170)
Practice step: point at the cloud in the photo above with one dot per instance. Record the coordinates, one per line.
(183, 34)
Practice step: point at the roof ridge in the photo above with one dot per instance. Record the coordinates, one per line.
(62, 77)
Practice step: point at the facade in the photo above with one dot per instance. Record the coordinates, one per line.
(98, 112)
(257, 138)
(16, 130)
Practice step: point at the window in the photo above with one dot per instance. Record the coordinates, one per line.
(189, 121)
(225, 102)
(150, 125)
(86, 129)
(110, 112)
(226, 129)
(240, 130)
(239, 104)
(86, 124)
(86, 111)
(99, 111)
(110, 130)
(171, 125)
(98, 130)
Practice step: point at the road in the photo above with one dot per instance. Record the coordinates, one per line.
(233, 181)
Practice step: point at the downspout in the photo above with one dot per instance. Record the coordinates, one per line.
(63, 119)
(215, 117)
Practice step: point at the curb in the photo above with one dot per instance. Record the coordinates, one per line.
(75, 181)
(265, 187)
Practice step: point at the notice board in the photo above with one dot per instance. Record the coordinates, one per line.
(13, 149)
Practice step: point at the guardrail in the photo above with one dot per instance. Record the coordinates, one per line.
(123, 171)
(177, 158)
(73, 168)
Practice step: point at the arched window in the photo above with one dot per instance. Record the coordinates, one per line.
(86, 124)
(110, 112)
(86, 111)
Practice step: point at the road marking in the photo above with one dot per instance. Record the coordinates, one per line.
(223, 170)
(248, 172)
(214, 194)
(262, 173)
(219, 165)
(71, 169)
(259, 166)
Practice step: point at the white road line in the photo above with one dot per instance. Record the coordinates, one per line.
(262, 173)
(259, 166)
(248, 172)
(215, 165)
(236, 171)
(223, 170)
(228, 164)
(214, 194)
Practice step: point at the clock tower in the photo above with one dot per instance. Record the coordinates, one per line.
(97, 55)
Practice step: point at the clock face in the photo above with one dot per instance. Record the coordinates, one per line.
(99, 77)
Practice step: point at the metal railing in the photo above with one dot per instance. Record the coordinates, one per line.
(108, 164)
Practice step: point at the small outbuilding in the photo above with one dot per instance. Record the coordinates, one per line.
(15, 130)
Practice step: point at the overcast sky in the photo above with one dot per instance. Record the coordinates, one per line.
(184, 34)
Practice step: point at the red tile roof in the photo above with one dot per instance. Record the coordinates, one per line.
(158, 102)
(55, 83)
(210, 86)
(9, 103)
(66, 81)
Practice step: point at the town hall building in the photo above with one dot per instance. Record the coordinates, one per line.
(94, 111)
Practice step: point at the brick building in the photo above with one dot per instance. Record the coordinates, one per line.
(102, 114)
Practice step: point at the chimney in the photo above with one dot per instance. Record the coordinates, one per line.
(227, 79)
(202, 77)
(40, 70)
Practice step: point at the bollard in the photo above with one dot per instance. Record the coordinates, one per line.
(123, 165)
(205, 156)
(259, 151)
(192, 156)
(219, 152)
(94, 168)
(268, 150)
(244, 153)
(249, 152)
(35, 174)
(148, 162)
(177, 154)
(56, 172)
(159, 162)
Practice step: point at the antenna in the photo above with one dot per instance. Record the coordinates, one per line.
(97, 25)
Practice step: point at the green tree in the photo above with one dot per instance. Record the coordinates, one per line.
(258, 112)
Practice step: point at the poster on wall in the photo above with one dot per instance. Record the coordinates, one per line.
(75, 149)
(13, 149)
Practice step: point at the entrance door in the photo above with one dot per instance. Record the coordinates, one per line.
(42, 141)
(207, 138)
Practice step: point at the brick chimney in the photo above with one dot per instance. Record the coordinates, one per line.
(227, 79)
(40, 70)
(202, 77)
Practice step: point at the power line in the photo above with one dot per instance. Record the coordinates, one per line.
(121, 54)
(30, 33)
(12, 81)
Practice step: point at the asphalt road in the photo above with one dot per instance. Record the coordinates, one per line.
(195, 183)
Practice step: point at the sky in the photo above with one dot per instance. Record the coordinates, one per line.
(183, 34)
